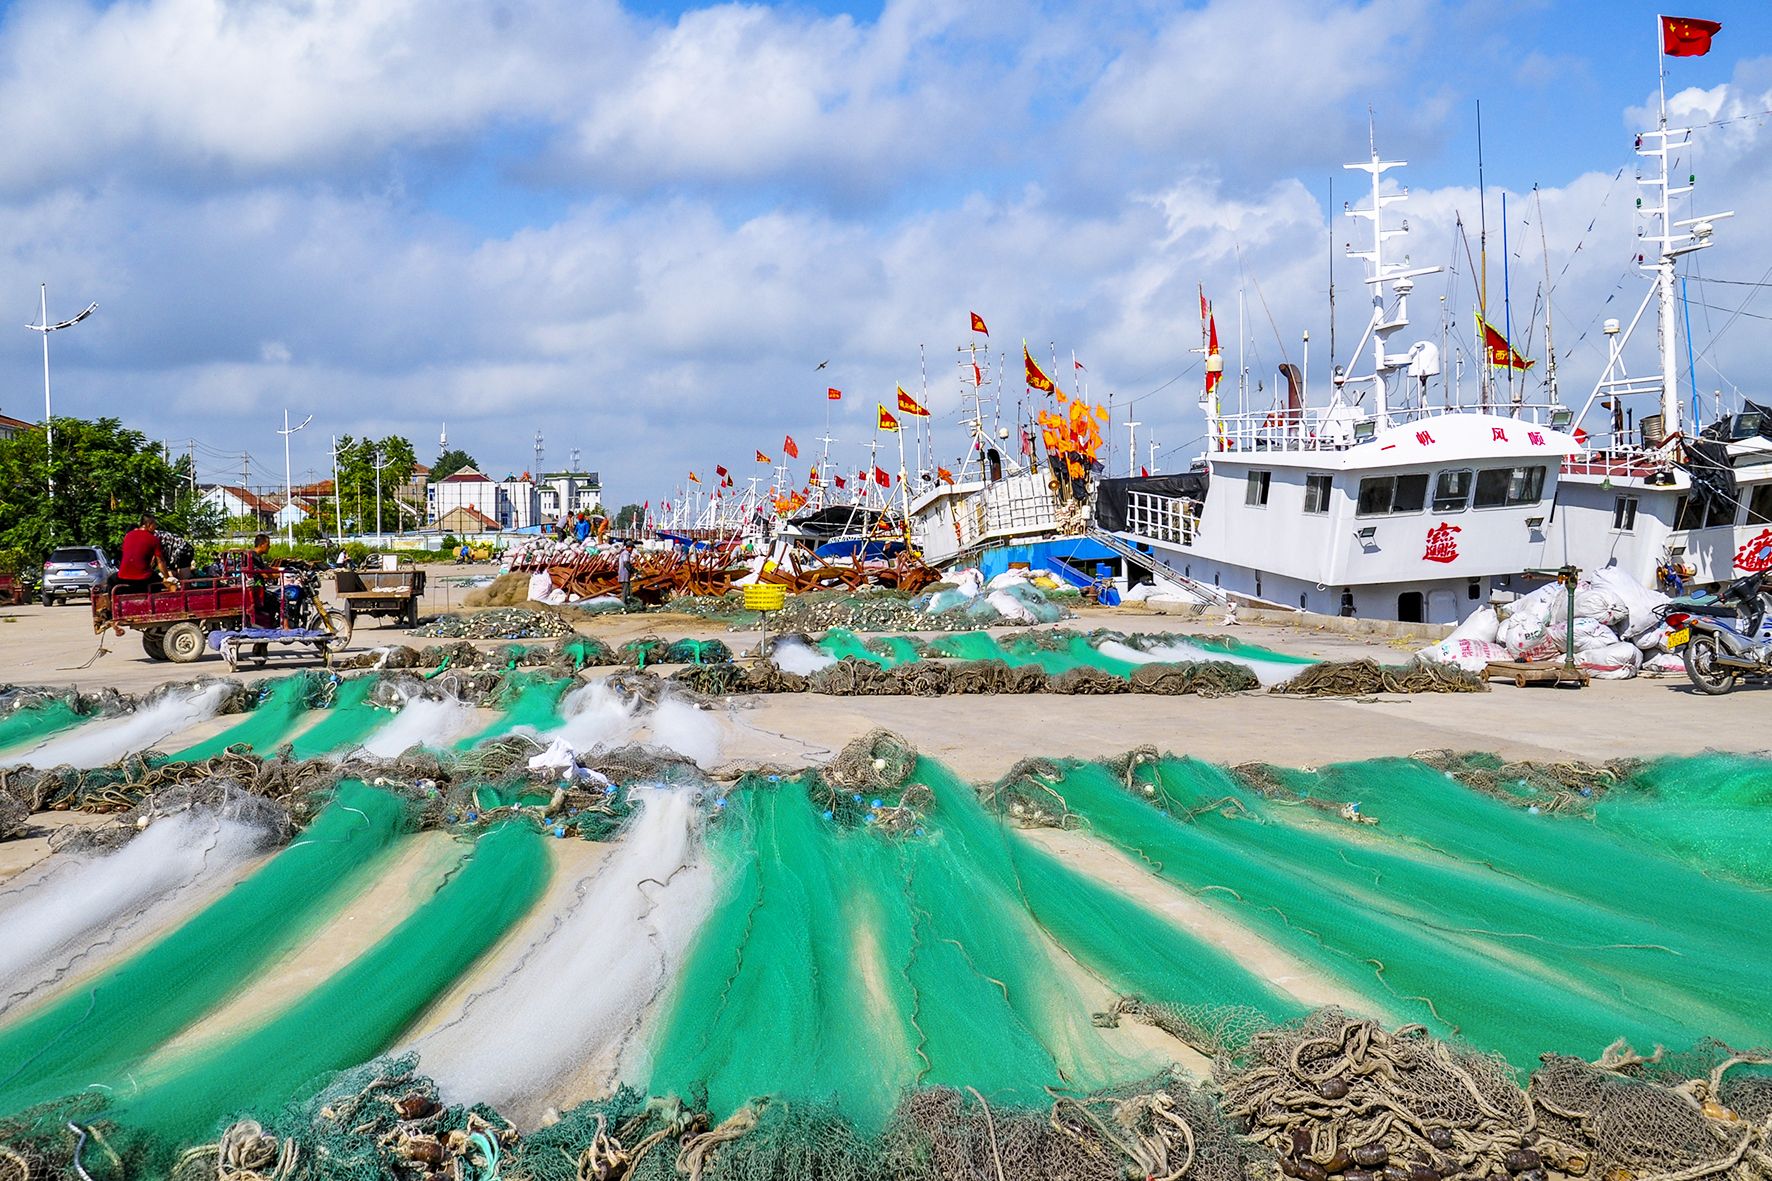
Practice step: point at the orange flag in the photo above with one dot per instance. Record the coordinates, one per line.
(788, 446)
(694, 479)
(1036, 377)
(978, 325)
(833, 395)
(943, 474)
(909, 406)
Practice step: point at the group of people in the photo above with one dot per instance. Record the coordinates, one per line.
(153, 561)
(580, 528)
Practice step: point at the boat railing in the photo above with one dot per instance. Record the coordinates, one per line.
(1172, 519)
(1319, 428)
(1016, 504)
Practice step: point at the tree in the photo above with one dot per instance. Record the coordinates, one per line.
(631, 516)
(356, 481)
(191, 516)
(105, 476)
(450, 462)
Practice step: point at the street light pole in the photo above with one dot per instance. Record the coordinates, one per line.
(288, 489)
(48, 419)
(379, 465)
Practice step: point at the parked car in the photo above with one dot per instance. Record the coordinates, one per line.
(74, 570)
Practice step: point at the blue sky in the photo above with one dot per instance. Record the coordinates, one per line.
(638, 228)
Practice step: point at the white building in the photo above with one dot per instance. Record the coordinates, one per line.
(471, 490)
(567, 492)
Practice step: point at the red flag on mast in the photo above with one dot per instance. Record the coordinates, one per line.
(788, 446)
(978, 325)
(833, 395)
(1501, 354)
(761, 458)
(1684, 36)
(908, 405)
(1036, 377)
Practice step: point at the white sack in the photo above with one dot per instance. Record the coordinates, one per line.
(1639, 599)
(1483, 625)
(1010, 607)
(1470, 655)
(541, 585)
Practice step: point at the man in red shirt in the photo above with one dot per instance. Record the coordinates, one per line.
(141, 555)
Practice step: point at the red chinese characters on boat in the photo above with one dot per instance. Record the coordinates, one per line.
(1441, 545)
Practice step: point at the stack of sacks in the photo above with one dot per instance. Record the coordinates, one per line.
(1013, 595)
(548, 552)
(1615, 624)
(968, 584)
(1472, 645)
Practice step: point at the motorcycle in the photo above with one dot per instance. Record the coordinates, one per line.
(1724, 640)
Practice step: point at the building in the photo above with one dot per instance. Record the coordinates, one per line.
(240, 502)
(466, 489)
(519, 502)
(10, 427)
(567, 492)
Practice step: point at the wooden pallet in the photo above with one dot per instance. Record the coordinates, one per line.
(1530, 672)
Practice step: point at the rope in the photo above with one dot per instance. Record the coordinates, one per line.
(990, 1129)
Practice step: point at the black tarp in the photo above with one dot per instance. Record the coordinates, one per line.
(837, 520)
(1110, 495)
(1713, 496)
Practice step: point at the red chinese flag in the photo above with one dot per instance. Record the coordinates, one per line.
(908, 405)
(978, 325)
(1036, 377)
(1683, 36)
(719, 471)
(881, 478)
(833, 395)
(839, 482)
(788, 446)
(761, 458)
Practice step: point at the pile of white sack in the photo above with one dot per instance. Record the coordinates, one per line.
(548, 551)
(1015, 596)
(1617, 633)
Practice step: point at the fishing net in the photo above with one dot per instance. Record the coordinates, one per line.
(101, 1030)
(497, 623)
(1362, 678)
(358, 1011)
(644, 651)
(1332, 1094)
(1647, 1117)
(765, 676)
(584, 651)
(530, 699)
(1549, 787)
(697, 652)
(853, 676)
(27, 715)
(1085, 679)
(350, 720)
(1421, 931)
(712, 679)
(1711, 811)
(279, 706)
(1215, 678)
(879, 761)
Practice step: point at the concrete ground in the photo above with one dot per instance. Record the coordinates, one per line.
(983, 736)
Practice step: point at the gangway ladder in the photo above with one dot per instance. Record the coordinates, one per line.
(1210, 596)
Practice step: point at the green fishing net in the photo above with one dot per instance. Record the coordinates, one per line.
(530, 699)
(282, 705)
(100, 1028)
(351, 719)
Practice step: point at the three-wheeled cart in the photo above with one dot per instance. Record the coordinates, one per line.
(386, 594)
(223, 613)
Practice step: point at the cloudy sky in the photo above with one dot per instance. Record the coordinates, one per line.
(639, 228)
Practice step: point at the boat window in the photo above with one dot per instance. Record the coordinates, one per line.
(1380, 495)
(1759, 507)
(1500, 486)
(1624, 514)
(1258, 486)
(1452, 491)
(1375, 495)
(1411, 493)
(1316, 493)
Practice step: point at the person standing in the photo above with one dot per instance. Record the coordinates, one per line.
(582, 529)
(624, 570)
(141, 556)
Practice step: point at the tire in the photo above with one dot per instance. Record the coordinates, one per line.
(341, 626)
(154, 643)
(1701, 656)
(183, 643)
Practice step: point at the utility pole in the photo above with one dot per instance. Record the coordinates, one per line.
(49, 418)
(1132, 447)
(338, 493)
(288, 484)
(379, 465)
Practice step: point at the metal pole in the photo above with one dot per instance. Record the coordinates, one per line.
(48, 418)
(377, 461)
